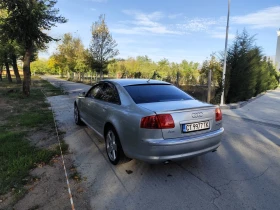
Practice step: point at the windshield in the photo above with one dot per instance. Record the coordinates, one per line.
(156, 93)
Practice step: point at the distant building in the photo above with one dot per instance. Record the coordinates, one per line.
(277, 56)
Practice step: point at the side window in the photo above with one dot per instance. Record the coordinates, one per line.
(95, 92)
(109, 94)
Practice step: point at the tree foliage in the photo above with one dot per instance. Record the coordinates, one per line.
(102, 47)
(249, 72)
(144, 67)
(71, 56)
(27, 23)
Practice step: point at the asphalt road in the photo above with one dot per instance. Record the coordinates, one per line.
(244, 173)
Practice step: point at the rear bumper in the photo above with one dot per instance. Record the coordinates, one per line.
(159, 150)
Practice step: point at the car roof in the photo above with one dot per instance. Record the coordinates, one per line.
(127, 82)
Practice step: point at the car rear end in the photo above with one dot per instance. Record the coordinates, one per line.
(188, 127)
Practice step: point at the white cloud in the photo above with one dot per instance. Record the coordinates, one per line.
(153, 23)
(143, 19)
(266, 18)
(93, 9)
(143, 23)
(197, 24)
(174, 16)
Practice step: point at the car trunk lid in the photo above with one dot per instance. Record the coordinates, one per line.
(191, 117)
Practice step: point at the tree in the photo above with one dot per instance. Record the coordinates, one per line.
(249, 73)
(243, 65)
(26, 23)
(215, 65)
(71, 55)
(189, 72)
(14, 52)
(163, 67)
(53, 65)
(102, 45)
(40, 66)
(4, 59)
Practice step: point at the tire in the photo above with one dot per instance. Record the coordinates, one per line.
(77, 118)
(113, 147)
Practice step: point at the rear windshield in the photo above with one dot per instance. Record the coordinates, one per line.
(156, 93)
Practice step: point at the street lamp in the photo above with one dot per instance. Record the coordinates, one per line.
(225, 58)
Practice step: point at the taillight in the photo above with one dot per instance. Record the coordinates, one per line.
(218, 114)
(149, 122)
(161, 121)
(165, 121)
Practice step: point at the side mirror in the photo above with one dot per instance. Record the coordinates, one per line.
(83, 94)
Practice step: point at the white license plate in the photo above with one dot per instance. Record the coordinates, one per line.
(197, 126)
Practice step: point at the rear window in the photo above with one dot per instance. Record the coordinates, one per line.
(156, 93)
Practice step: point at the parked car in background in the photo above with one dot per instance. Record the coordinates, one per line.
(149, 120)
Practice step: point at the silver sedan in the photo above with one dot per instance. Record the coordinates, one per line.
(149, 120)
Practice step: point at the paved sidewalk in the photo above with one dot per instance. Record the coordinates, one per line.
(264, 109)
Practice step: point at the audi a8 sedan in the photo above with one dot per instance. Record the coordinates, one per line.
(149, 120)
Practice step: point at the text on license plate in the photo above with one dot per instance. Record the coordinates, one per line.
(189, 127)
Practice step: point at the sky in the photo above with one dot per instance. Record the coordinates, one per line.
(171, 29)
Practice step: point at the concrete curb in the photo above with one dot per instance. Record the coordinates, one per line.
(242, 103)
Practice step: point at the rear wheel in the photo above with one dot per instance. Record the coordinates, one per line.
(113, 147)
(77, 118)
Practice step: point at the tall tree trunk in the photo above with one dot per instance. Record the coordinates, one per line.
(1, 70)
(8, 73)
(61, 72)
(26, 72)
(15, 67)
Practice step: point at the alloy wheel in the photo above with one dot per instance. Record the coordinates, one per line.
(111, 146)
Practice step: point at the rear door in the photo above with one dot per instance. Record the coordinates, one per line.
(89, 105)
(105, 104)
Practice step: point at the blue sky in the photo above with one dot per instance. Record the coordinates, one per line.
(172, 29)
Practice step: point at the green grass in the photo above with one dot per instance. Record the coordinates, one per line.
(17, 157)
(22, 116)
(31, 119)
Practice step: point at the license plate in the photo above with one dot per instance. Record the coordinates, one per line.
(197, 126)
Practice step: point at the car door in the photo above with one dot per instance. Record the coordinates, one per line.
(108, 99)
(89, 105)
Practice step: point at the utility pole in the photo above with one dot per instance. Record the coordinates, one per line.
(277, 56)
(225, 58)
(209, 85)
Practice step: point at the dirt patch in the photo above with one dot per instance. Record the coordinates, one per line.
(50, 191)
(43, 139)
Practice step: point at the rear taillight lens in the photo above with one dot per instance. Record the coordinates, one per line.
(150, 122)
(219, 115)
(165, 121)
(161, 121)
